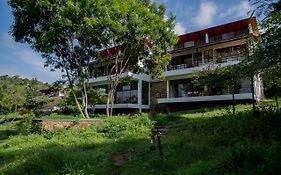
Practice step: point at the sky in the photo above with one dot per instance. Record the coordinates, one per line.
(191, 15)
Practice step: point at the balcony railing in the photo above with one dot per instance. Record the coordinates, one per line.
(224, 59)
(218, 60)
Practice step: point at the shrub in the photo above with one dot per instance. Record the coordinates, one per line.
(116, 127)
(25, 126)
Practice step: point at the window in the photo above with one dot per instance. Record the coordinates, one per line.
(227, 36)
(179, 46)
(215, 38)
(199, 41)
(127, 93)
(182, 90)
(188, 60)
(145, 93)
(208, 56)
(189, 44)
(198, 58)
(241, 33)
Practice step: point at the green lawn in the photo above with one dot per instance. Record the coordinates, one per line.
(205, 141)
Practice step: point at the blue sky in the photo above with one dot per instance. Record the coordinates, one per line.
(20, 59)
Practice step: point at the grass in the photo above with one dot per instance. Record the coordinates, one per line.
(214, 142)
(205, 141)
(73, 151)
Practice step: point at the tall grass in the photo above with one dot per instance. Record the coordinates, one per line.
(72, 151)
(205, 141)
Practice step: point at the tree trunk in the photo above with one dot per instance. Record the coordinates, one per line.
(233, 101)
(71, 89)
(275, 91)
(85, 102)
(77, 103)
(93, 108)
(253, 94)
(107, 106)
(108, 102)
(112, 102)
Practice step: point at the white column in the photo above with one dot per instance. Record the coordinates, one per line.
(149, 93)
(168, 88)
(250, 27)
(139, 95)
(206, 38)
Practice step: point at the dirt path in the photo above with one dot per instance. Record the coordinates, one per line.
(119, 161)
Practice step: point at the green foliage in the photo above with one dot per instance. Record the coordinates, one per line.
(96, 96)
(68, 106)
(70, 35)
(205, 141)
(26, 127)
(61, 116)
(214, 142)
(120, 126)
(268, 49)
(17, 94)
(72, 151)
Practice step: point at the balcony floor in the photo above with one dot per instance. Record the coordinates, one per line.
(243, 96)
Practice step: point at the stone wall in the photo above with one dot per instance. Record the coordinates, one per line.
(53, 124)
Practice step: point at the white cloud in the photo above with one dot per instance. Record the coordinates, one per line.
(240, 10)
(20, 53)
(179, 29)
(206, 14)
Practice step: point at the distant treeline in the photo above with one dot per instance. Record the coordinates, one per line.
(18, 94)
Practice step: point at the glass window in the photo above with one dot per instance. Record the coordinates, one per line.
(208, 56)
(198, 58)
(189, 44)
(145, 92)
(127, 87)
(182, 90)
(227, 36)
(215, 38)
(199, 41)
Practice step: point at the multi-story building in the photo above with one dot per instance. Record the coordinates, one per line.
(217, 46)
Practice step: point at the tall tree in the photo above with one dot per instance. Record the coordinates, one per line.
(70, 35)
(140, 39)
(270, 45)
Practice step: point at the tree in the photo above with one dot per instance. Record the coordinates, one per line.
(96, 96)
(140, 37)
(221, 77)
(270, 44)
(70, 35)
(17, 93)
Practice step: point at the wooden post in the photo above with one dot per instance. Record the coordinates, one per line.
(159, 142)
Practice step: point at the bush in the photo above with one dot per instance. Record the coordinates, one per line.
(26, 126)
(249, 158)
(116, 127)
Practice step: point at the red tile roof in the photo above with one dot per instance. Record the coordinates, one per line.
(237, 25)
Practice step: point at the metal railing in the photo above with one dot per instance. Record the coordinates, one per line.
(219, 59)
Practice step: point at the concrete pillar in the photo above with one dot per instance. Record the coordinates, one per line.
(203, 61)
(206, 38)
(214, 56)
(140, 95)
(192, 59)
(250, 28)
(168, 88)
(149, 94)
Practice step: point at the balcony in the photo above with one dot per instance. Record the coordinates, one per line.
(105, 79)
(244, 96)
(183, 69)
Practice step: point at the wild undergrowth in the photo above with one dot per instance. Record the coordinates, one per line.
(71, 151)
(214, 142)
(205, 141)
